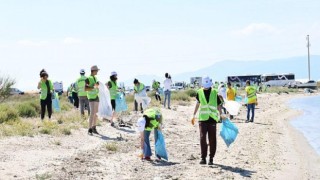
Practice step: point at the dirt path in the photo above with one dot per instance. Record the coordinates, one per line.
(263, 150)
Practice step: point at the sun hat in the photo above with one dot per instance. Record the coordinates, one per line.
(113, 73)
(206, 82)
(95, 68)
(82, 71)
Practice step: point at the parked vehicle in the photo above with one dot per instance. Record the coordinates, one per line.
(271, 80)
(177, 86)
(15, 91)
(310, 84)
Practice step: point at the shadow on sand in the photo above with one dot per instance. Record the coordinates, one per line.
(163, 163)
(242, 172)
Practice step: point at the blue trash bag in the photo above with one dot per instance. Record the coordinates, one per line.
(245, 101)
(229, 132)
(121, 104)
(160, 91)
(239, 99)
(160, 147)
(56, 102)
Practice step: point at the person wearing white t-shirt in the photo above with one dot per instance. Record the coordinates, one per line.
(167, 90)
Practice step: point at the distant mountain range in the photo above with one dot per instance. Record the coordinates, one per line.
(220, 70)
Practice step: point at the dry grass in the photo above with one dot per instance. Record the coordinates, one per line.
(111, 147)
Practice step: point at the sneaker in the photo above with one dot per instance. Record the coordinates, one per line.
(169, 108)
(251, 120)
(247, 121)
(210, 162)
(94, 130)
(90, 132)
(112, 124)
(203, 162)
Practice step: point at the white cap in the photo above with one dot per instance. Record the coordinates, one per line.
(113, 73)
(206, 82)
(82, 71)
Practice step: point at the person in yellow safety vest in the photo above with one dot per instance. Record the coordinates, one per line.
(75, 96)
(82, 94)
(208, 101)
(113, 88)
(231, 94)
(138, 88)
(251, 93)
(92, 88)
(155, 87)
(151, 120)
(69, 94)
(46, 88)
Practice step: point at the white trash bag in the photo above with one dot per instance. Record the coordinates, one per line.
(105, 108)
(143, 99)
(232, 107)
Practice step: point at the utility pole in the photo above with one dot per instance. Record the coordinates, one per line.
(308, 46)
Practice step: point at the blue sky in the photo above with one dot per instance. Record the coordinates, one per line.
(135, 37)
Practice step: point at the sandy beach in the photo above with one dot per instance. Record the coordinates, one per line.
(270, 148)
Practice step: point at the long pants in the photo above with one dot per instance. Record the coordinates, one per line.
(147, 148)
(167, 96)
(158, 98)
(47, 103)
(70, 99)
(84, 102)
(136, 106)
(75, 99)
(94, 105)
(209, 128)
(250, 107)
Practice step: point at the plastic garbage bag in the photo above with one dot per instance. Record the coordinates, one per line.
(141, 123)
(232, 107)
(161, 92)
(56, 102)
(121, 104)
(143, 99)
(245, 101)
(160, 146)
(229, 132)
(105, 108)
(239, 99)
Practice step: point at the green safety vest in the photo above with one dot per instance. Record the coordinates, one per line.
(151, 113)
(155, 85)
(44, 89)
(94, 93)
(139, 88)
(252, 96)
(208, 109)
(113, 90)
(81, 84)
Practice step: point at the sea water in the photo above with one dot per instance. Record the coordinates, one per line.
(309, 122)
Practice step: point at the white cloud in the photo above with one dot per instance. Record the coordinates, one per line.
(32, 43)
(71, 40)
(257, 29)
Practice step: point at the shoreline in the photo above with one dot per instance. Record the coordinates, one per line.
(308, 157)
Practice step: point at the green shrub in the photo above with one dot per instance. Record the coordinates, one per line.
(66, 131)
(180, 96)
(8, 113)
(66, 106)
(27, 110)
(191, 92)
(111, 147)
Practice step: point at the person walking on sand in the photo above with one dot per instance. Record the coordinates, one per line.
(75, 96)
(167, 90)
(46, 88)
(69, 94)
(231, 94)
(92, 88)
(80, 86)
(252, 101)
(155, 87)
(113, 88)
(208, 101)
(151, 120)
(222, 91)
(138, 88)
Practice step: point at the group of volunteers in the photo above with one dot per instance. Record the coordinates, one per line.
(210, 99)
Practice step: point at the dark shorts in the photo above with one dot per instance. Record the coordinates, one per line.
(113, 104)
